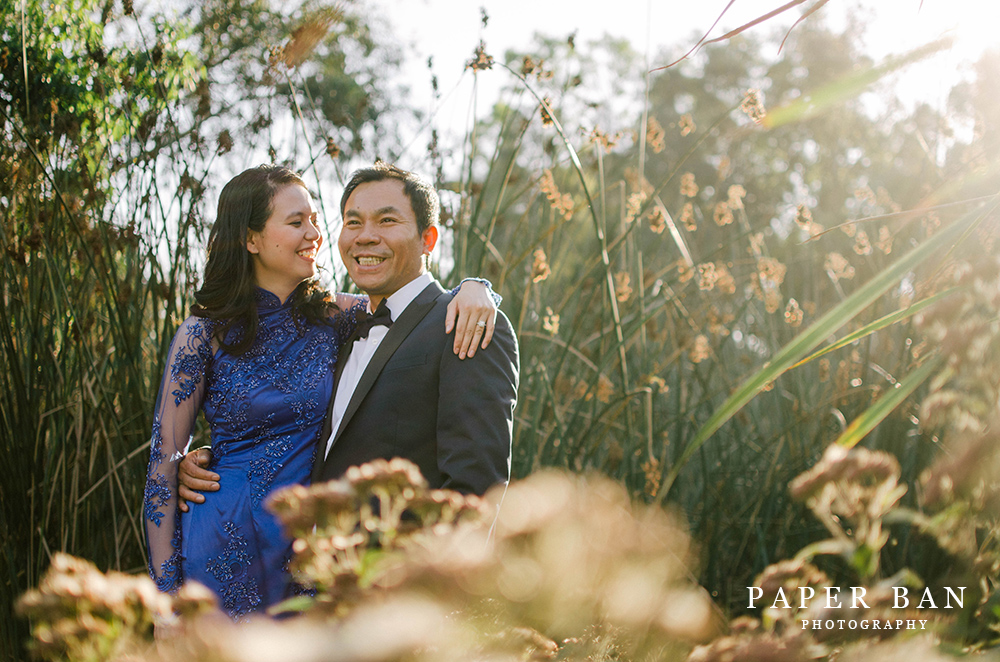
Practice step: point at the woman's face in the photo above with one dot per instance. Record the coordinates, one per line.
(284, 251)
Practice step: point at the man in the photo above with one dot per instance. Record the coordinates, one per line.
(399, 390)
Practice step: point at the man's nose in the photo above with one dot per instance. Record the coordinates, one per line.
(368, 234)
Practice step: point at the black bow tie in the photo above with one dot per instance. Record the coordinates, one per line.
(381, 317)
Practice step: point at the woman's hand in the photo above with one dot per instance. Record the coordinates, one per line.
(476, 315)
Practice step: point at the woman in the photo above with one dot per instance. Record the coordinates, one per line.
(257, 355)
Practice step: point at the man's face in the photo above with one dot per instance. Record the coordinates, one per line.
(379, 241)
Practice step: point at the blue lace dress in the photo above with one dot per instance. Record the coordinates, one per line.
(265, 410)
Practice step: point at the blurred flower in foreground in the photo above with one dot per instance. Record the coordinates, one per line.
(79, 613)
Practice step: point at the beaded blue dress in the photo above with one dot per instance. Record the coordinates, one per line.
(265, 410)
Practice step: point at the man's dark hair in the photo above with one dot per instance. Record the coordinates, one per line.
(423, 197)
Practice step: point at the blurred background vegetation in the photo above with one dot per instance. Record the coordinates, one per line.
(659, 249)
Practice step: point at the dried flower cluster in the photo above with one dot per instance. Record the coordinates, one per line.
(80, 613)
(837, 267)
(689, 188)
(384, 505)
(562, 203)
(753, 106)
(571, 554)
(686, 124)
(655, 135)
(307, 36)
(481, 60)
(965, 327)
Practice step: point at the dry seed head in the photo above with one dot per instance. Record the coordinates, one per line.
(689, 188)
(481, 60)
(550, 322)
(687, 217)
(633, 204)
(753, 106)
(657, 221)
(793, 314)
(684, 271)
(736, 193)
(803, 216)
(623, 287)
(725, 168)
(884, 242)
(861, 244)
(706, 276)
(865, 194)
(561, 203)
(772, 299)
(771, 270)
(527, 65)
(724, 280)
(687, 124)
(224, 142)
(540, 269)
(700, 349)
(838, 267)
(306, 37)
(605, 389)
(605, 141)
(839, 464)
(655, 135)
(543, 109)
(395, 475)
(332, 148)
(722, 215)
(651, 468)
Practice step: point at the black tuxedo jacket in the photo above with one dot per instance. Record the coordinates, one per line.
(453, 418)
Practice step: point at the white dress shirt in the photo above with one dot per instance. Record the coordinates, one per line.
(364, 349)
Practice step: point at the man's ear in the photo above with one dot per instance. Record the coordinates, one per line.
(430, 237)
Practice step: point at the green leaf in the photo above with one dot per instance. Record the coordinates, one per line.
(876, 413)
(879, 324)
(297, 604)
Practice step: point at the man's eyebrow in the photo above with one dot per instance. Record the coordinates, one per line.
(378, 212)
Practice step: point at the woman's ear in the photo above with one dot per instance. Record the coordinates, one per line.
(252, 242)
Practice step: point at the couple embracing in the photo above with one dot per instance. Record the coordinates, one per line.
(299, 386)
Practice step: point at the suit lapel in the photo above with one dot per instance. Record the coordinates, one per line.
(338, 371)
(400, 329)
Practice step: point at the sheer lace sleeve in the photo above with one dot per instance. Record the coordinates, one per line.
(181, 393)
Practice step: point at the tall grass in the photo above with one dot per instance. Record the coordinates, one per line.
(652, 259)
(113, 134)
(665, 277)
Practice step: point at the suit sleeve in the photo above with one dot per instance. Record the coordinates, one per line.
(475, 421)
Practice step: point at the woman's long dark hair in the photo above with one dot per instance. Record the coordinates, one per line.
(227, 292)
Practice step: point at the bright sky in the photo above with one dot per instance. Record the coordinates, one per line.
(449, 30)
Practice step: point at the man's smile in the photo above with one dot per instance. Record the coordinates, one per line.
(369, 260)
